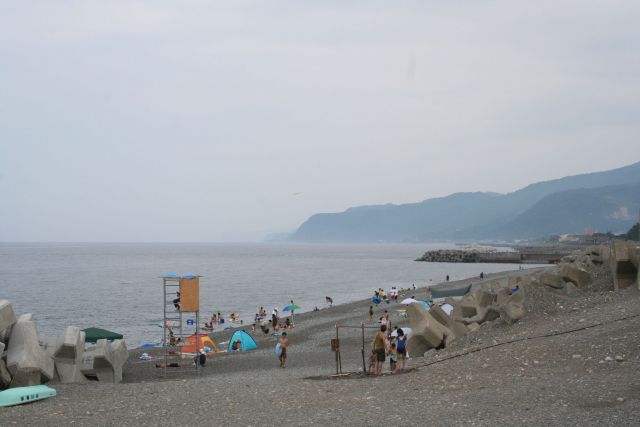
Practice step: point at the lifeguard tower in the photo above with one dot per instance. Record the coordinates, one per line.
(181, 324)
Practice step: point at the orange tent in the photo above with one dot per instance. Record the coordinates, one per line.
(204, 342)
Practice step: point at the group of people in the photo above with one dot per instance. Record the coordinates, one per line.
(216, 319)
(260, 320)
(383, 320)
(388, 344)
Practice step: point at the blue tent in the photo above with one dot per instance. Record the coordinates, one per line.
(247, 342)
(425, 305)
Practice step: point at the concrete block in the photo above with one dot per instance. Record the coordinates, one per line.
(71, 345)
(48, 344)
(119, 356)
(484, 314)
(516, 297)
(513, 312)
(457, 329)
(623, 263)
(5, 376)
(576, 275)
(502, 296)
(7, 319)
(570, 289)
(552, 279)
(70, 372)
(427, 332)
(26, 361)
(105, 361)
(468, 306)
(68, 355)
(483, 298)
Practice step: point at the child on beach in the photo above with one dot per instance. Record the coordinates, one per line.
(284, 343)
(372, 361)
(370, 313)
(393, 358)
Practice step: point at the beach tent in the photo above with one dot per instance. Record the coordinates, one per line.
(204, 342)
(247, 342)
(95, 334)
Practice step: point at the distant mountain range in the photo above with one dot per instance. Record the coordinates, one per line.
(600, 201)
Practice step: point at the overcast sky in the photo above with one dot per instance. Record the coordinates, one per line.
(226, 121)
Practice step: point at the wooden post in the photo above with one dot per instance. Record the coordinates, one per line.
(364, 363)
(337, 351)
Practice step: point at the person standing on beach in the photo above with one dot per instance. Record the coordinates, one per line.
(393, 358)
(402, 348)
(447, 277)
(329, 301)
(370, 313)
(274, 319)
(284, 343)
(380, 347)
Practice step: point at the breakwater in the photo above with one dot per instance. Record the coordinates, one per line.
(542, 255)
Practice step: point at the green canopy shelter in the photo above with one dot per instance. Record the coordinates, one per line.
(444, 291)
(95, 334)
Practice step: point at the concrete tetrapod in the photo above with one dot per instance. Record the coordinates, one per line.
(105, 361)
(7, 319)
(457, 329)
(511, 305)
(26, 361)
(552, 279)
(68, 355)
(624, 264)
(5, 376)
(576, 275)
(426, 331)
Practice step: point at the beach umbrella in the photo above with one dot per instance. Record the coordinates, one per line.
(408, 301)
(447, 308)
(292, 307)
(425, 305)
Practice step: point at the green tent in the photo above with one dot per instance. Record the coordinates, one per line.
(444, 291)
(95, 334)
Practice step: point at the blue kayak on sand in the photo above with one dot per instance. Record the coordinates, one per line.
(20, 395)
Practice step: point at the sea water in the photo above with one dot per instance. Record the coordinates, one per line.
(119, 286)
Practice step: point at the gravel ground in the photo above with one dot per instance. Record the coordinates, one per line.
(571, 361)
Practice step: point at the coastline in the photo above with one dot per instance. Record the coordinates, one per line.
(250, 389)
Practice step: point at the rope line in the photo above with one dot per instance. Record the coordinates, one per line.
(553, 334)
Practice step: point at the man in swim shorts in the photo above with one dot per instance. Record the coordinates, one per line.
(380, 347)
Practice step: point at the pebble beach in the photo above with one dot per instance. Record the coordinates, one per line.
(572, 361)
